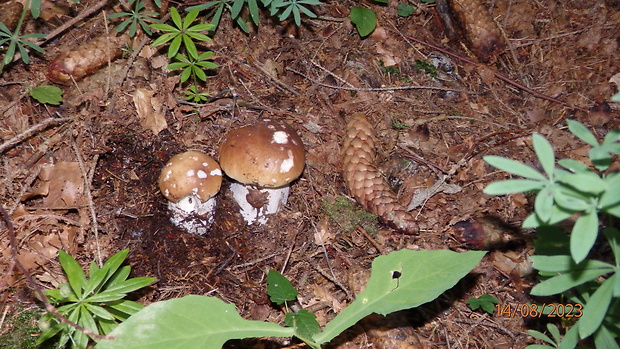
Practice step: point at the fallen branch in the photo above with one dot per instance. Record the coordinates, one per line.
(31, 131)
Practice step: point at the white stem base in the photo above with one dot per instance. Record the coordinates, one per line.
(193, 215)
(276, 198)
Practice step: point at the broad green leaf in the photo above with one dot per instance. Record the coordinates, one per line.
(304, 323)
(47, 94)
(568, 198)
(279, 288)
(596, 308)
(582, 132)
(74, 272)
(511, 186)
(188, 322)
(563, 282)
(365, 20)
(588, 182)
(401, 280)
(600, 157)
(514, 167)
(583, 235)
(544, 151)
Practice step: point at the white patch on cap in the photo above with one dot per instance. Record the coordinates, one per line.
(287, 164)
(216, 172)
(201, 174)
(190, 173)
(280, 137)
(205, 164)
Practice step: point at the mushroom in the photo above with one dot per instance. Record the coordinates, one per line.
(263, 159)
(189, 181)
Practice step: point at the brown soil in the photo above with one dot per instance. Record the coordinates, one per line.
(101, 165)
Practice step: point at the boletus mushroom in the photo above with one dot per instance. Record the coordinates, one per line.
(190, 181)
(262, 159)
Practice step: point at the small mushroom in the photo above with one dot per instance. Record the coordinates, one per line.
(263, 159)
(189, 181)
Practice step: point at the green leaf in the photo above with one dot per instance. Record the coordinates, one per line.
(188, 322)
(541, 336)
(405, 10)
(304, 323)
(511, 186)
(47, 94)
(131, 285)
(514, 167)
(543, 204)
(74, 272)
(125, 306)
(365, 20)
(583, 235)
(563, 282)
(573, 165)
(595, 310)
(565, 264)
(544, 151)
(401, 280)
(486, 302)
(611, 196)
(99, 311)
(279, 288)
(588, 182)
(582, 132)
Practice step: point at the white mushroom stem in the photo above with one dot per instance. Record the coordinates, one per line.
(193, 215)
(275, 199)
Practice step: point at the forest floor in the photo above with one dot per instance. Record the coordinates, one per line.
(86, 183)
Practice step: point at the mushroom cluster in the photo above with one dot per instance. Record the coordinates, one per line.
(262, 159)
(190, 181)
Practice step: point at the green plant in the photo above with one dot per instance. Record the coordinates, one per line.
(426, 67)
(401, 280)
(405, 10)
(486, 302)
(18, 42)
(181, 46)
(282, 9)
(575, 189)
(136, 17)
(96, 303)
(47, 94)
(365, 20)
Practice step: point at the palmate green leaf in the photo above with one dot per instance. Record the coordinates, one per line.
(582, 132)
(176, 18)
(600, 157)
(105, 297)
(514, 167)
(188, 322)
(86, 319)
(47, 94)
(99, 311)
(253, 7)
(595, 310)
(279, 288)
(185, 74)
(75, 274)
(570, 199)
(545, 154)
(124, 306)
(365, 20)
(199, 73)
(190, 17)
(119, 276)
(401, 280)
(583, 235)
(611, 196)
(235, 10)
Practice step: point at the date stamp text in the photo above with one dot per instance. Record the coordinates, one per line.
(539, 310)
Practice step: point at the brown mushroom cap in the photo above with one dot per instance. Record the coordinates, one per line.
(188, 173)
(268, 154)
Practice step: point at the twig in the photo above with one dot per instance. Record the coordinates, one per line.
(31, 131)
(377, 89)
(38, 291)
(89, 197)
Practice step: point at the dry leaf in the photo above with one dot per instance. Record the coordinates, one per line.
(149, 110)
